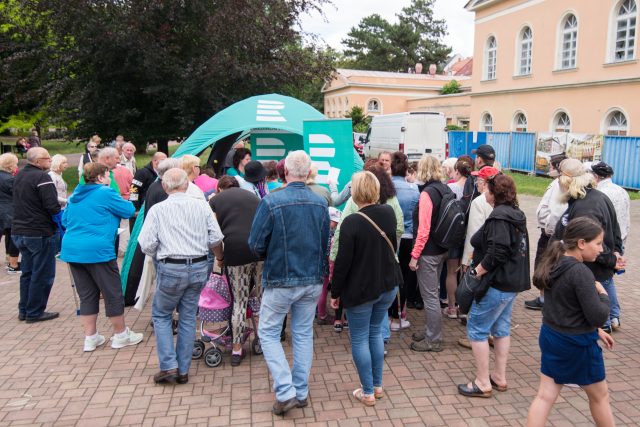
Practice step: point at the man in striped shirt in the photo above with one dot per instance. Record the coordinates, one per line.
(179, 233)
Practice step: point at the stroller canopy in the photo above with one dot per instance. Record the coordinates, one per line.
(271, 111)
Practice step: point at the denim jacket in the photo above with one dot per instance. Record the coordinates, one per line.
(408, 195)
(291, 230)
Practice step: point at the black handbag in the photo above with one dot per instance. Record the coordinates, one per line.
(468, 289)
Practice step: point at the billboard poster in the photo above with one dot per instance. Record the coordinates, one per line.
(329, 142)
(581, 146)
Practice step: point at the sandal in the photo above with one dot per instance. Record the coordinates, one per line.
(496, 386)
(473, 391)
(367, 400)
(378, 392)
(337, 327)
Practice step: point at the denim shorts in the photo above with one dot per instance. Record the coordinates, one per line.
(492, 315)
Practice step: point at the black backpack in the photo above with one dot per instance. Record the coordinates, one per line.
(469, 192)
(450, 226)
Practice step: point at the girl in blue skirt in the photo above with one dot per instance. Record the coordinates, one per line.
(575, 306)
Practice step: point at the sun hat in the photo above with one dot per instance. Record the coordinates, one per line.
(254, 172)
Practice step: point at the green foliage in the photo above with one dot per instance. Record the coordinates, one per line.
(450, 88)
(359, 121)
(454, 127)
(376, 44)
(152, 69)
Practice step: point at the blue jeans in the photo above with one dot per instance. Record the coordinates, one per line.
(38, 273)
(276, 303)
(614, 312)
(367, 346)
(178, 287)
(492, 315)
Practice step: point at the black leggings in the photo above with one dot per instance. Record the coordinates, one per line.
(409, 289)
(10, 247)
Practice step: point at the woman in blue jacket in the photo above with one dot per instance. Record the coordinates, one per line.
(91, 220)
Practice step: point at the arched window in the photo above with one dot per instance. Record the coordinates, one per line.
(617, 124)
(373, 106)
(525, 46)
(491, 58)
(561, 122)
(520, 122)
(625, 36)
(568, 42)
(487, 122)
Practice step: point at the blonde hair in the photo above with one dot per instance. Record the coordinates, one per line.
(189, 161)
(365, 188)
(313, 173)
(576, 187)
(448, 166)
(7, 161)
(429, 169)
(57, 161)
(96, 139)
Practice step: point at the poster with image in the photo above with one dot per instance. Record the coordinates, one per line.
(581, 146)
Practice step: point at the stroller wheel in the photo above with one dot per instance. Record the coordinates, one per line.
(256, 346)
(212, 357)
(198, 349)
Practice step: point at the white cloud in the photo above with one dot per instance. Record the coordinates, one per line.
(344, 14)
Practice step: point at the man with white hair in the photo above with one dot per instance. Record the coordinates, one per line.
(291, 231)
(128, 158)
(179, 233)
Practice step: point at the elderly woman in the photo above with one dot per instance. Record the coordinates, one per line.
(254, 179)
(365, 279)
(501, 262)
(90, 153)
(584, 200)
(191, 165)
(91, 219)
(449, 168)
(8, 169)
(241, 157)
(59, 164)
(234, 209)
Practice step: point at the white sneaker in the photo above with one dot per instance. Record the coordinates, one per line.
(394, 326)
(615, 323)
(404, 324)
(90, 344)
(132, 338)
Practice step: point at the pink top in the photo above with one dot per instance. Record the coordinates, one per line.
(425, 208)
(206, 183)
(123, 177)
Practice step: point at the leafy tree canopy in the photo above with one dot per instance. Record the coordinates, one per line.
(152, 69)
(376, 44)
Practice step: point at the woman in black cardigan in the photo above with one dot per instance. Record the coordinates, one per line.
(365, 279)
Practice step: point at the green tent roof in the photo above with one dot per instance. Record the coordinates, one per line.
(270, 111)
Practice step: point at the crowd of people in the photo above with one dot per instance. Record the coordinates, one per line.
(407, 235)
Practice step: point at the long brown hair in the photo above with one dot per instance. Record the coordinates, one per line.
(581, 228)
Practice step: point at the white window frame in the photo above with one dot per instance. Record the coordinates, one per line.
(571, 36)
(378, 110)
(516, 122)
(524, 59)
(490, 68)
(610, 130)
(630, 21)
(486, 125)
(555, 122)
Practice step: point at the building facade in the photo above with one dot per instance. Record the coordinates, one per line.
(556, 65)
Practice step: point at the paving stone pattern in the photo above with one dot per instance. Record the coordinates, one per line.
(46, 379)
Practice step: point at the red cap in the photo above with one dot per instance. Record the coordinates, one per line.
(486, 172)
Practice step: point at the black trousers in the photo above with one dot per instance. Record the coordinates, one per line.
(543, 242)
(10, 247)
(409, 290)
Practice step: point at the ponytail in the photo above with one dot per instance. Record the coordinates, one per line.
(550, 258)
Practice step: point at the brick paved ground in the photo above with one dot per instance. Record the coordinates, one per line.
(46, 379)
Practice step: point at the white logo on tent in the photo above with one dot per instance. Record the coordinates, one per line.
(323, 147)
(268, 111)
(275, 148)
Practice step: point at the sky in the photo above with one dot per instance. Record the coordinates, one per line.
(345, 14)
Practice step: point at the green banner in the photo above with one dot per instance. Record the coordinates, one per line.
(329, 142)
(274, 145)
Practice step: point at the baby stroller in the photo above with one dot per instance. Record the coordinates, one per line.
(214, 310)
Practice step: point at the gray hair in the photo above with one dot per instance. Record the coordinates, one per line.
(57, 161)
(167, 164)
(8, 161)
(108, 152)
(36, 153)
(298, 164)
(175, 179)
(129, 144)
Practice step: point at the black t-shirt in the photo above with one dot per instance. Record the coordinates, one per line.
(235, 209)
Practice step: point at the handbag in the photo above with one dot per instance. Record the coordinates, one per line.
(468, 289)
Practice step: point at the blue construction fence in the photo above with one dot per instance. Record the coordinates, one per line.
(516, 151)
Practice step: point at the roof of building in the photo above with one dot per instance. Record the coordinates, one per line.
(464, 67)
(345, 72)
(473, 5)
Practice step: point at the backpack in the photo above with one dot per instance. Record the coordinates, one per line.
(469, 192)
(451, 225)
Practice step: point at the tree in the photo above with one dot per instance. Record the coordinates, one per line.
(156, 69)
(359, 121)
(450, 88)
(376, 44)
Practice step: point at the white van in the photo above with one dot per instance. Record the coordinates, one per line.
(414, 134)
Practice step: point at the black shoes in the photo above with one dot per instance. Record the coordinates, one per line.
(182, 378)
(303, 403)
(534, 304)
(166, 377)
(43, 317)
(281, 408)
(236, 359)
(21, 317)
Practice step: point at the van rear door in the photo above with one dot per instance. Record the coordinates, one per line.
(425, 134)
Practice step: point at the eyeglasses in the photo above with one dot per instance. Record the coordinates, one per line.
(43, 158)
